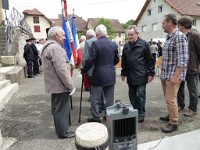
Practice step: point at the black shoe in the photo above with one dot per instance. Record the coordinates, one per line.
(165, 118)
(93, 120)
(141, 119)
(104, 118)
(199, 96)
(169, 128)
(31, 76)
(70, 134)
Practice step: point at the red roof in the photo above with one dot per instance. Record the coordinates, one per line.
(33, 12)
(186, 7)
(80, 22)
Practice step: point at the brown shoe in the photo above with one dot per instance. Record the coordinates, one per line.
(180, 109)
(190, 113)
(169, 128)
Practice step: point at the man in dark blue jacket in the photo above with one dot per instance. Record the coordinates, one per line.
(139, 68)
(104, 56)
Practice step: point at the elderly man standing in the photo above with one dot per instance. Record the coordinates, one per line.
(103, 56)
(139, 68)
(173, 69)
(58, 80)
(91, 36)
(193, 67)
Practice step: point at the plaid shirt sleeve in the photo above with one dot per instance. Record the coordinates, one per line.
(182, 50)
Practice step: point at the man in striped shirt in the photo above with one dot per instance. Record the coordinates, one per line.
(173, 69)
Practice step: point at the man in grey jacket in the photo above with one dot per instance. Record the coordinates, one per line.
(193, 67)
(58, 80)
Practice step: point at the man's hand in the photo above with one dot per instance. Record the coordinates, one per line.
(72, 91)
(83, 71)
(123, 78)
(174, 79)
(150, 78)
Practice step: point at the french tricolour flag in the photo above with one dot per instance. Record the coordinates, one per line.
(76, 42)
(68, 43)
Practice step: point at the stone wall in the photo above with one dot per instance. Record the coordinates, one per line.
(14, 56)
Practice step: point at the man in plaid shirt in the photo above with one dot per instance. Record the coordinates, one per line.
(173, 69)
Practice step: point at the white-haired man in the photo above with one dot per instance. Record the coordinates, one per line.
(58, 80)
(103, 55)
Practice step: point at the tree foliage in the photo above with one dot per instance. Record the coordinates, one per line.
(107, 23)
(128, 23)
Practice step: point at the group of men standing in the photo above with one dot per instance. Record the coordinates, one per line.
(31, 55)
(180, 62)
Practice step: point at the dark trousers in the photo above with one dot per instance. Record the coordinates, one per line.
(29, 67)
(60, 111)
(154, 57)
(35, 67)
(98, 93)
(137, 96)
(192, 84)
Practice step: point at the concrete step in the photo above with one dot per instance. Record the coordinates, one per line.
(4, 83)
(6, 93)
(185, 141)
(2, 45)
(2, 77)
(3, 39)
(4, 70)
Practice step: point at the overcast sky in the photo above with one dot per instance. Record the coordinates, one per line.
(123, 10)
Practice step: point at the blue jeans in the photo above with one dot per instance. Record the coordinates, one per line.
(192, 84)
(137, 96)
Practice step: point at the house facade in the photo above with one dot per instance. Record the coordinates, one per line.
(149, 20)
(38, 23)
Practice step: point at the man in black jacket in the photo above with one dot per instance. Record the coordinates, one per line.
(139, 68)
(193, 67)
(28, 56)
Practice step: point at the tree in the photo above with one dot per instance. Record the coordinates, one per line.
(128, 23)
(111, 33)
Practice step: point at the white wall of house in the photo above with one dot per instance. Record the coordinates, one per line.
(120, 39)
(150, 26)
(43, 23)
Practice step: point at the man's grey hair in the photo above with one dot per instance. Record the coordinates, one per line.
(133, 27)
(90, 32)
(82, 38)
(101, 29)
(53, 31)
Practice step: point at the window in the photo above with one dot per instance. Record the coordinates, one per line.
(160, 9)
(194, 22)
(119, 34)
(36, 28)
(144, 28)
(36, 20)
(154, 27)
(149, 12)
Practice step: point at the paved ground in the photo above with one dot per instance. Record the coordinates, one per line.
(27, 120)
